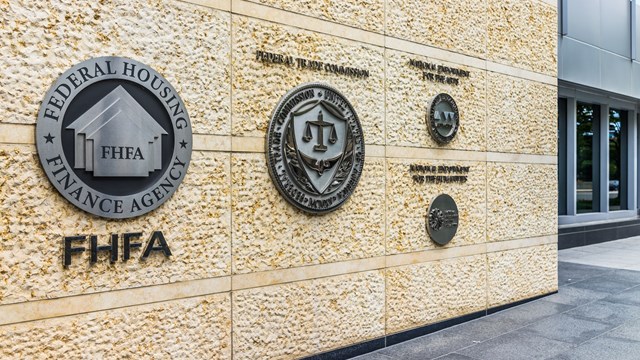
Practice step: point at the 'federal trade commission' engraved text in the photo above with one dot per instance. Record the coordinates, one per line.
(302, 63)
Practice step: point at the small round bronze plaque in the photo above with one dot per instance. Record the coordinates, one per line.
(442, 118)
(442, 219)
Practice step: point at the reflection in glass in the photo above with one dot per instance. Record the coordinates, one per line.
(586, 115)
(562, 156)
(617, 119)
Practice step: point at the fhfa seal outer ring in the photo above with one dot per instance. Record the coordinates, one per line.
(114, 137)
(315, 148)
(442, 219)
(443, 118)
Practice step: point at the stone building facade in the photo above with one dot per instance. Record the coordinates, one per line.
(250, 276)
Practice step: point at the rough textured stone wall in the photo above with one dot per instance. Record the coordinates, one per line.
(428, 292)
(251, 277)
(521, 273)
(168, 330)
(268, 233)
(254, 83)
(407, 94)
(35, 217)
(522, 33)
(41, 39)
(320, 314)
(407, 204)
(433, 22)
(520, 111)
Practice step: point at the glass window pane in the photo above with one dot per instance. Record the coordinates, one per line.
(617, 171)
(586, 121)
(562, 156)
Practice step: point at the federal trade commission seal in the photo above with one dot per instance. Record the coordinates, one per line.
(443, 118)
(442, 219)
(114, 137)
(315, 148)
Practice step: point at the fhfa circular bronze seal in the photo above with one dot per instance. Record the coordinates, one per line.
(443, 118)
(114, 137)
(315, 148)
(442, 219)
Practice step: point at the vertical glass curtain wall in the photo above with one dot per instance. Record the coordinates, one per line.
(617, 159)
(597, 158)
(588, 164)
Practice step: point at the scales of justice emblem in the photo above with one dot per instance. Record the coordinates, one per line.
(315, 150)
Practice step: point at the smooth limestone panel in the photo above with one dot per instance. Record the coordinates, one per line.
(259, 86)
(269, 233)
(408, 202)
(522, 115)
(293, 320)
(363, 14)
(459, 26)
(189, 45)
(522, 273)
(194, 328)
(34, 219)
(408, 96)
(430, 292)
(523, 33)
(521, 201)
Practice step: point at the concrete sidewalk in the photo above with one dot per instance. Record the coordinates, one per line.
(620, 254)
(595, 315)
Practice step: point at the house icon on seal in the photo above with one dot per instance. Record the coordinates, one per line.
(117, 137)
